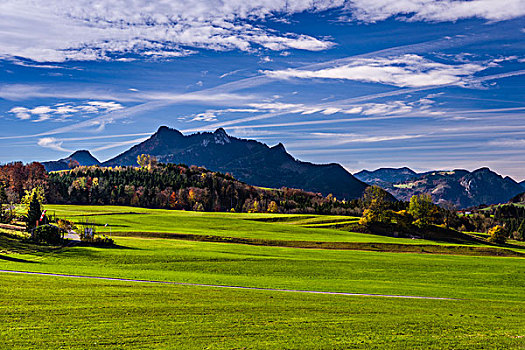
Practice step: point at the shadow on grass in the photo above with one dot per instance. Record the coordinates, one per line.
(111, 247)
(12, 244)
(9, 258)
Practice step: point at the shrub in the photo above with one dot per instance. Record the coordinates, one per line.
(48, 234)
(102, 241)
(498, 234)
(66, 225)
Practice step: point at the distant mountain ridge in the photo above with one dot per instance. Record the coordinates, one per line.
(386, 175)
(250, 161)
(459, 187)
(83, 157)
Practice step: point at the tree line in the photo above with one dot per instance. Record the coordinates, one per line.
(177, 186)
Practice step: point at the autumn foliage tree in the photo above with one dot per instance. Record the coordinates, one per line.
(375, 200)
(18, 178)
(146, 161)
(498, 234)
(183, 188)
(422, 210)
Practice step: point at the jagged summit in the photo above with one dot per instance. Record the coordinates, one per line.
(248, 160)
(279, 147)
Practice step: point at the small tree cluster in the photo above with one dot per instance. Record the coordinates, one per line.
(376, 204)
(498, 234)
(422, 210)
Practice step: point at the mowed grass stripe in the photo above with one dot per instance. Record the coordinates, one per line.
(224, 286)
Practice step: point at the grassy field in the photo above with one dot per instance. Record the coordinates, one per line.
(54, 312)
(49, 313)
(297, 227)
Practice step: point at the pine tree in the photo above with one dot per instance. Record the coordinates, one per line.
(34, 212)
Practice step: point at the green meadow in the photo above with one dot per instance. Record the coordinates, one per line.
(485, 309)
(263, 226)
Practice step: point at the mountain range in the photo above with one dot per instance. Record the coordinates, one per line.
(258, 164)
(250, 161)
(460, 188)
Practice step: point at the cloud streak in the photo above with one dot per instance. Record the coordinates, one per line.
(403, 71)
(63, 111)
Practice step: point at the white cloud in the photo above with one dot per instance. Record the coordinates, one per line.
(21, 113)
(435, 10)
(206, 116)
(53, 143)
(62, 111)
(59, 30)
(403, 71)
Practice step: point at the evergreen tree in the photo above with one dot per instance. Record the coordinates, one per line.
(34, 212)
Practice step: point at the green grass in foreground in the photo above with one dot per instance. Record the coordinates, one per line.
(490, 278)
(54, 312)
(48, 312)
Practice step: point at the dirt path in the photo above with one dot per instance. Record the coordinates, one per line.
(223, 286)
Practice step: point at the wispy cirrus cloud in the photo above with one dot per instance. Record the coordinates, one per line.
(403, 71)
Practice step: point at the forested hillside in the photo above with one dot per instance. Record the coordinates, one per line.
(182, 187)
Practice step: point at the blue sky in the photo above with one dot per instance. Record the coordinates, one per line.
(365, 83)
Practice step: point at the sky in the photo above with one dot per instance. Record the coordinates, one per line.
(428, 84)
